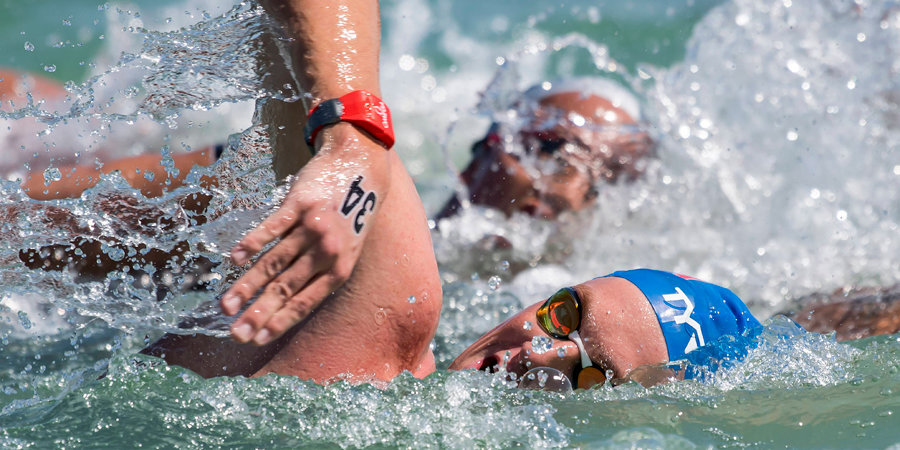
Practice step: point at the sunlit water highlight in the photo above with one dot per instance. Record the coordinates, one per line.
(777, 133)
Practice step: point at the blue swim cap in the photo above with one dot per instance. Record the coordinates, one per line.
(691, 313)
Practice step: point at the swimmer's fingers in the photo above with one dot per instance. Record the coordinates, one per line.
(301, 305)
(275, 226)
(265, 270)
(250, 327)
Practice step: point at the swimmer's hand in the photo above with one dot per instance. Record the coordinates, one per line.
(322, 226)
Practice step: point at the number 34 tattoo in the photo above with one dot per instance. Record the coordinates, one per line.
(355, 196)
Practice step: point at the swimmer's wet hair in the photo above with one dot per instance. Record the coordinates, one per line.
(618, 95)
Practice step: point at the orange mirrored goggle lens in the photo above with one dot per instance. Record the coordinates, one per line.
(560, 314)
(589, 377)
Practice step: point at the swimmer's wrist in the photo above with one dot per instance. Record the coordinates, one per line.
(343, 135)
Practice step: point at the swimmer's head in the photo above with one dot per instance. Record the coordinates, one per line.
(628, 320)
(580, 132)
(618, 329)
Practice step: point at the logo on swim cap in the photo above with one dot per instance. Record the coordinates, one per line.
(696, 341)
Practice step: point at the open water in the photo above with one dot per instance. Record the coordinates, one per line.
(777, 123)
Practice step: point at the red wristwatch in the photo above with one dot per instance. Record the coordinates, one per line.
(359, 108)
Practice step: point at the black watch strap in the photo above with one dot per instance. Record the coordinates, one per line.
(328, 112)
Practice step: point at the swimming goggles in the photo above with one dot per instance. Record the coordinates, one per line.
(560, 317)
(545, 142)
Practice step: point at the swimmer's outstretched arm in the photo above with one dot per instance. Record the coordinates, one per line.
(335, 52)
(77, 178)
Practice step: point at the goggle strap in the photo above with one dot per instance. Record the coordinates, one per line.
(585, 359)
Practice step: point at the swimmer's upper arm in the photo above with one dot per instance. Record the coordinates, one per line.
(136, 170)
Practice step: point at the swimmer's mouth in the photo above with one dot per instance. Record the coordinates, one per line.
(489, 364)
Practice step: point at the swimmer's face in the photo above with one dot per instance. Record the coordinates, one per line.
(573, 141)
(618, 326)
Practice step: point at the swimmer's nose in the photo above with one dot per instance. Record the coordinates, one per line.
(536, 208)
(562, 355)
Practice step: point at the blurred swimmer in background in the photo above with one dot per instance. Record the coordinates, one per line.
(150, 173)
(850, 312)
(572, 137)
(579, 133)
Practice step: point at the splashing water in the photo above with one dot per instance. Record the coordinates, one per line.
(776, 131)
(541, 344)
(767, 151)
(120, 219)
(760, 155)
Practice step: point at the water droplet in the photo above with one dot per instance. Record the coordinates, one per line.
(52, 174)
(546, 378)
(527, 325)
(412, 299)
(504, 265)
(541, 344)
(561, 352)
(24, 320)
(407, 63)
(49, 68)
(29, 47)
(494, 282)
(117, 254)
